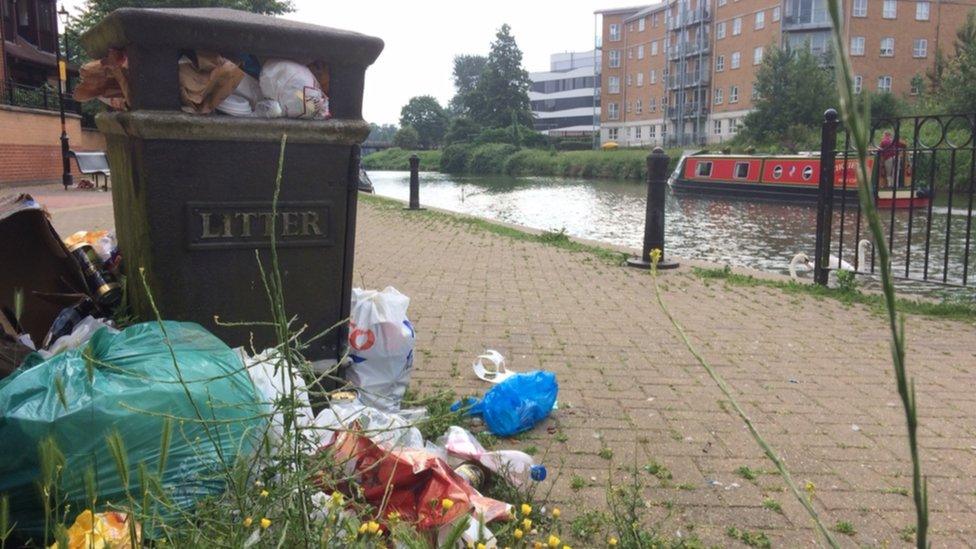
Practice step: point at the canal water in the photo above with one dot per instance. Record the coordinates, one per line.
(759, 235)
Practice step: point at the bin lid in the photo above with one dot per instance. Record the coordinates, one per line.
(229, 31)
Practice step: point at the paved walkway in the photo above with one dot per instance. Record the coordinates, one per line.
(814, 375)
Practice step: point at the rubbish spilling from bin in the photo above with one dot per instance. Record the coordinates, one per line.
(490, 367)
(516, 404)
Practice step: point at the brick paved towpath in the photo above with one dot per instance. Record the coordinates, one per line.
(814, 375)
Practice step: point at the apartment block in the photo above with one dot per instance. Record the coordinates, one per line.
(565, 99)
(681, 72)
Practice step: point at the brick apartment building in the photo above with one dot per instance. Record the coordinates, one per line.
(682, 71)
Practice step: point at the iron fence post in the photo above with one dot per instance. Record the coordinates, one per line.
(825, 196)
(657, 180)
(414, 183)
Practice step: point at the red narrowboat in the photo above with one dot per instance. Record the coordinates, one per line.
(788, 177)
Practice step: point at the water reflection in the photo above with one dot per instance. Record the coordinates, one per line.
(760, 235)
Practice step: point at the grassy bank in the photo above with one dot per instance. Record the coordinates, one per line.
(503, 159)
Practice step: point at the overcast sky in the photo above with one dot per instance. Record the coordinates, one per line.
(422, 37)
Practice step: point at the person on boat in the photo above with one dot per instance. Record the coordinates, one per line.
(888, 153)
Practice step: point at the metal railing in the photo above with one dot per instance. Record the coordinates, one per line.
(36, 97)
(693, 47)
(696, 77)
(688, 110)
(691, 17)
(923, 178)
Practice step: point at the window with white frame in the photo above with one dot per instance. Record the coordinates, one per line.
(627, 106)
(640, 79)
(733, 94)
(654, 47)
(613, 111)
(654, 20)
(889, 9)
(652, 76)
(629, 80)
(916, 86)
(920, 47)
(887, 47)
(859, 8)
(737, 26)
(720, 63)
(922, 11)
(614, 32)
(757, 55)
(639, 106)
(641, 24)
(733, 125)
(640, 52)
(720, 30)
(857, 45)
(858, 83)
(612, 134)
(736, 60)
(651, 131)
(651, 105)
(760, 20)
(717, 127)
(775, 14)
(719, 93)
(637, 132)
(614, 58)
(613, 84)
(884, 83)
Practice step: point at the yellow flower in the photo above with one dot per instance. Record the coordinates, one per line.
(264, 493)
(612, 542)
(810, 487)
(247, 521)
(393, 517)
(362, 528)
(337, 498)
(265, 522)
(447, 503)
(556, 512)
(527, 524)
(481, 546)
(518, 534)
(567, 547)
(526, 509)
(537, 545)
(373, 526)
(553, 541)
(655, 255)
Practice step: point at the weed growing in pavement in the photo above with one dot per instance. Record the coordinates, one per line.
(752, 539)
(577, 483)
(844, 527)
(846, 281)
(747, 473)
(772, 505)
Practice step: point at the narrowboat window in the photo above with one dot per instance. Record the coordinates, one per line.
(777, 172)
(741, 170)
(807, 172)
(704, 169)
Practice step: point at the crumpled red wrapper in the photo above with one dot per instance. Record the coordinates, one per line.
(416, 481)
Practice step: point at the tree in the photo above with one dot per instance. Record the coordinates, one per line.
(502, 89)
(406, 138)
(956, 92)
(467, 71)
(425, 115)
(794, 89)
(381, 134)
(461, 130)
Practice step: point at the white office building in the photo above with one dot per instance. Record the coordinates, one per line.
(566, 99)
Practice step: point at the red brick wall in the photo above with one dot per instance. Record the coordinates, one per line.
(30, 146)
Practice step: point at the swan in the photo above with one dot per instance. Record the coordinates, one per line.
(802, 262)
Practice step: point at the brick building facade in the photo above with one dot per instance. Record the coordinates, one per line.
(682, 71)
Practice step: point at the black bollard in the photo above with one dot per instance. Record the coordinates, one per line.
(657, 180)
(414, 183)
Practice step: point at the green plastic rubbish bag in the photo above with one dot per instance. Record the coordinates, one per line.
(133, 386)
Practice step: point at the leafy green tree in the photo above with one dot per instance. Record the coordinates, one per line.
(502, 90)
(461, 130)
(794, 89)
(425, 115)
(381, 134)
(884, 105)
(957, 92)
(406, 138)
(467, 71)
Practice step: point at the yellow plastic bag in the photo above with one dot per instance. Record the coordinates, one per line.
(101, 531)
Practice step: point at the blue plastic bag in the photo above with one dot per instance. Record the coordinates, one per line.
(516, 404)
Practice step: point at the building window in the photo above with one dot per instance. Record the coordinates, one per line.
(651, 131)
(920, 48)
(639, 106)
(717, 127)
(884, 83)
(613, 84)
(733, 125)
(857, 45)
(736, 59)
(776, 14)
(640, 52)
(916, 86)
(760, 20)
(627, 106)
(612, 133)
(722, 2)
(733, 94)
(651, 105)
(921, 11)
(614, 32)
(641, 23)
(860, 8)
(720, 63)
(654, 47)
(719, 93)
(614, 59)
(653, 76)
(720, 30)
(703, 169)
(887, 47)
(613, 111)
(629, 80)
(858, 83)
(737, 26)
(890, 9)
(637, 132)
(757, 55)
(654, 20)
(640, 79)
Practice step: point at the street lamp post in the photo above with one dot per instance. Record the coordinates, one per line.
(66, 178)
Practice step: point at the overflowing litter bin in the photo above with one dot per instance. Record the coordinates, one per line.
(193, 187)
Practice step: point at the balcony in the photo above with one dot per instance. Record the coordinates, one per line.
(688, 18)
(688, 110)
(691, 79)
(685, 49)
(807, 20)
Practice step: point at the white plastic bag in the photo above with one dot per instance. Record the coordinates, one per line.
(80, 334)
(272, 381)
(295, 88)
(381, 341)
